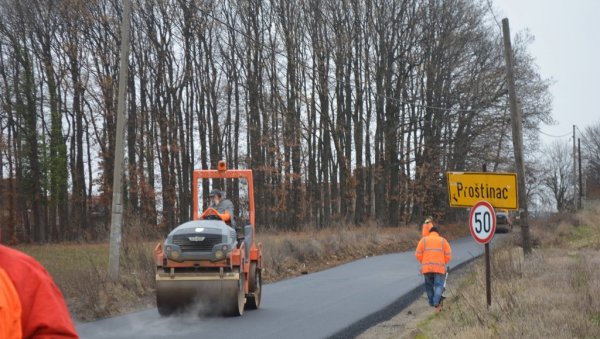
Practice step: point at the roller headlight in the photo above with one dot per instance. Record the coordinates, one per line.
(173, 252)
(219, 254)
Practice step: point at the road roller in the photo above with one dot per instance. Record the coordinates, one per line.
(212, 264)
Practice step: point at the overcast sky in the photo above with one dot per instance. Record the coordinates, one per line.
(567, 49)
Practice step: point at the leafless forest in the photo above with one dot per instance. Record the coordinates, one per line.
(347, 110)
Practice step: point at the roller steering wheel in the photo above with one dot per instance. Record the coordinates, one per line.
(210, 214)
(211, 217)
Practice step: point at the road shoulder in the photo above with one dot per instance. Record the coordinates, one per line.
(406, 322)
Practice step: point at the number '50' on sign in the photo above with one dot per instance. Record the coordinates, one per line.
(482, 222)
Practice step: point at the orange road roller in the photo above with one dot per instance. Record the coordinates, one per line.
(213, 263)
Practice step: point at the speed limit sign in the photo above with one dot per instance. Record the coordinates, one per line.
(482, 222)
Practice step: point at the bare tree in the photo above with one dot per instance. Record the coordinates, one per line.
(346, 110)
(558, 174)
(591, 151)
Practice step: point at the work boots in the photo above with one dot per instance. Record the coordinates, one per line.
(439, 307)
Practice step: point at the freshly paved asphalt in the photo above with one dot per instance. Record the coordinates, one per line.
(339, 302)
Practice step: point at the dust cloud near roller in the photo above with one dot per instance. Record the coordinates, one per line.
(208, 297)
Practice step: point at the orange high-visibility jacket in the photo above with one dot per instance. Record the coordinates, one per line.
(426, 227)
(10, 309)
(44, 314)
(225, 216)
(433, 252)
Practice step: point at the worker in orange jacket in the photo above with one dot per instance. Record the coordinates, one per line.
(434, 253)
(427, 225)
(31, 306)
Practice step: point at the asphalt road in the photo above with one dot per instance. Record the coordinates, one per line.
(339, 302)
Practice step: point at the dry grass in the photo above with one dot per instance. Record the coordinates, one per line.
(552, 294)
(289, 254)
(80, 270)
(81, 273)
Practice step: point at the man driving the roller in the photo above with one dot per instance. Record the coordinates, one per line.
(223, 206)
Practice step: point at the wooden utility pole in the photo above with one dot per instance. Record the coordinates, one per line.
(580, 176)
(517, 136)
(116, 222)
(574, 170)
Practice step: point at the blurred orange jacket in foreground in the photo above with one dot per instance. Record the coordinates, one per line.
(41, 305)
(10, 309)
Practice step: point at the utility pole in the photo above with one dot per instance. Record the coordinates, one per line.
(116, 222)
(574, 171)
(580, 176)
(517, 136)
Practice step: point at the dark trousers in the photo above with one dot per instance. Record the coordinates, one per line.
(434, 286)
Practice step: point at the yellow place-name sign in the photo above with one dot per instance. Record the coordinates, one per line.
(465, 189)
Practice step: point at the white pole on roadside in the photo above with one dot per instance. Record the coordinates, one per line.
(116, 222)
(574, 169)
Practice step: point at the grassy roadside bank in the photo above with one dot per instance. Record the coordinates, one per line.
(80, 269)
(552, 294)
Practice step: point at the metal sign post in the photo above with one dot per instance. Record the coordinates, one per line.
(482, 223)
(488, 275)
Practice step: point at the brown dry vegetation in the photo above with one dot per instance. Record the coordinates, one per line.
(80, 269)
(552, 294)
(288, 254)
(292, 253)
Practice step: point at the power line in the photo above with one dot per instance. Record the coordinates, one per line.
(555, 136)
(493, 13)
(491, 10)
